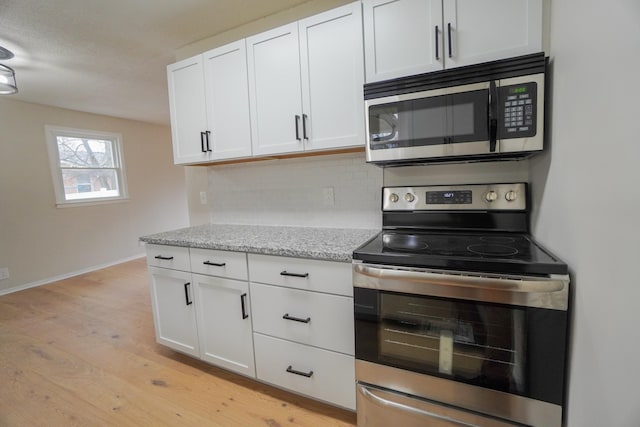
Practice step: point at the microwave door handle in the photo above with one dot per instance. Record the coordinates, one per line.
(493, 116)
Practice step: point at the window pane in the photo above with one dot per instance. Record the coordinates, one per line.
(85, 152)
(90, 183)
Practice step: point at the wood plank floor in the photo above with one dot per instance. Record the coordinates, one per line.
(82, 352)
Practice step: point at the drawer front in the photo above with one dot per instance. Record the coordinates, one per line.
(173, 257)
(314, 275)
(317, 373)
(232, 265)
(320, 320)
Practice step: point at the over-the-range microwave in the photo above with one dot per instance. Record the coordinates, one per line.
(480, 112)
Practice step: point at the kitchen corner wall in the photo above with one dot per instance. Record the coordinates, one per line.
(298, 192)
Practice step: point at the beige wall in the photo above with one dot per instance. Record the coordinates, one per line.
(39, 241)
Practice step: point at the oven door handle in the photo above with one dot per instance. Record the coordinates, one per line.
(366, 392)
(543, 292)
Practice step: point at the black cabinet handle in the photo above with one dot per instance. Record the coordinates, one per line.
(202, 142)
(285, 273)
(304, 127)
(215, 264)
(449, 39)
(296, 319)
(437, 46)
(298, 127)
(302, 374)
(165, 258)
(207, 133)
(186, 293)
(244, 311)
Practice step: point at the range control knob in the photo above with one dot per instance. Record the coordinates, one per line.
(491, 196)
(511, 196)
(409, 197)
(394, 197)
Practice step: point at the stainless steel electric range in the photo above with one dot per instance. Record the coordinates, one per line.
(461, 318)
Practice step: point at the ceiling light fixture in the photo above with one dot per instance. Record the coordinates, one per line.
(7, 80)
(5, 53)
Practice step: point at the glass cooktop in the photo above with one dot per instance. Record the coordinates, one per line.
(507, 253)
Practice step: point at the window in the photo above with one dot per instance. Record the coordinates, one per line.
(86, 165)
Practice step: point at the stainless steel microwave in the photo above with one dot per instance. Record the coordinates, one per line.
(481, 112)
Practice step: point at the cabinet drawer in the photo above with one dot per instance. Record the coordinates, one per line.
(174, 257)
(320, 320)
(219, 263)
(321, 276)
(321, 374)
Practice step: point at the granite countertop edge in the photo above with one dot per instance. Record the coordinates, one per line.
(331, 244)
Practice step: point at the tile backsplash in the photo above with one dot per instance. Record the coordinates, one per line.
(323, 191)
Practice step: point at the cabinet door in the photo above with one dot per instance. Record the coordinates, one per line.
(224, 323)
(332, 77)
(173, 310)
(227, 90)
(515, 29)
(188, 110)
(274, 90)
(400, 37)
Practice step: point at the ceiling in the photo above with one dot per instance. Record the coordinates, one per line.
(110, 56)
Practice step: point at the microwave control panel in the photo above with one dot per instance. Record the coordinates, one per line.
(517, 110)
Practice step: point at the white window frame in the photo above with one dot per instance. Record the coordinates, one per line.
(52, 132)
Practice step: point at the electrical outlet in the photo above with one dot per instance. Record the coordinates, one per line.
(328, 198)
(203, 197)
(4, 273)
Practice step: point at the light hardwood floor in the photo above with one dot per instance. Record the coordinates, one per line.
(82, 352)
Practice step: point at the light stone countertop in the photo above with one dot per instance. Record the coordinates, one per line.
(331, 244)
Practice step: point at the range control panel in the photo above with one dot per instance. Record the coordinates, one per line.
(455, 197)
(517, 110)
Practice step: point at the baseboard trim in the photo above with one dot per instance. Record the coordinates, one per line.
(68, 275)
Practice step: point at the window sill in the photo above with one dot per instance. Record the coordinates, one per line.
(93, 202)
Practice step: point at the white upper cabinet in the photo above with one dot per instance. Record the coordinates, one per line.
(274, 87)
(488, 30)
(227, 95)
(405, 37)
(332, 64)
(188, 110)
(209, 103)
(305, 84)
(400, 37)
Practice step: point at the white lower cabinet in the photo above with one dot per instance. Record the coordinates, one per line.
(224, 323)
(174, 316)
(315, 372)
(303, 326)
(285, 321)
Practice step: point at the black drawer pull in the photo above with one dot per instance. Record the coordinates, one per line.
(285, 273)
(186, 294)
(215, 264)
(302, 374)
(296, 319)
(242, 306)
(166, 258)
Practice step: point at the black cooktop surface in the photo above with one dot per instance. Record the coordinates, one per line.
(506, 253)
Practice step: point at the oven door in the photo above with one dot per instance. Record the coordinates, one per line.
(483, 341)
(443, 122)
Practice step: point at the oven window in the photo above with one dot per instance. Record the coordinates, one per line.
(482, 344)
(513, 349)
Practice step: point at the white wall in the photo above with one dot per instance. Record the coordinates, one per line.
(588, 192)
(39, 241)
(290, 192)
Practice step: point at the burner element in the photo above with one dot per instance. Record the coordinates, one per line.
(404, 242)
(497, 239)
(492, 250)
